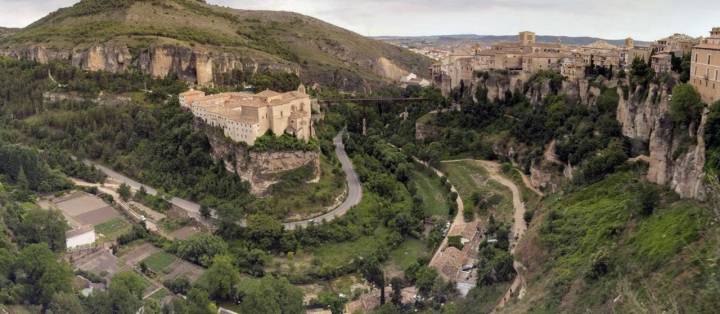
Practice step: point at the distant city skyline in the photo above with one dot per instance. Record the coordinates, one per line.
(646, 20)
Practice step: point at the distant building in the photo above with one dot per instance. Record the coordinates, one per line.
(662, 62)
(705, 67)
(677, 44)
(245, 116)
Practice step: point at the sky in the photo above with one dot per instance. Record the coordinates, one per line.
(610, 19)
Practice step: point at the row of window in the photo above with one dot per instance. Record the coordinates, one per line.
(709, 58)
(708, 73)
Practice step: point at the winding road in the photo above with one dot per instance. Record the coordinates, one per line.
(354, 195)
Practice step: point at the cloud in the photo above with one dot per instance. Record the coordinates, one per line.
(642, 19)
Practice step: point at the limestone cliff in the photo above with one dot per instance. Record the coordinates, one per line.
(502, 84)
(192, 64)
(260, 169)
(676, 156)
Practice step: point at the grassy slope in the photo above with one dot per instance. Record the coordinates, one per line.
(432, 193)
(271, 36)
(664, 262)
(470, 177)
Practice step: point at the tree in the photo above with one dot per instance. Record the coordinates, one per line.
(270, 295)
(425, 279)
(686, 105)
(373, 273)
(39, 269)
(65, 302)
(332, 301)
(264, 230)
(200, 248)
(43, 226)
(396, 284)
(124, 192)
(648, 199)
(223, 279)
(205, 212)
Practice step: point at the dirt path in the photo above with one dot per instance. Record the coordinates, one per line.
(518, 229)
(458, 224)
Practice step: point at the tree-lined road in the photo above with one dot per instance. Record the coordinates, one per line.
(354, 195)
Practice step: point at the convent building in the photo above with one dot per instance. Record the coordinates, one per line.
(246, 116)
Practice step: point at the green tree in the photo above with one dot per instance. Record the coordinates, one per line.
(65, 302)
(396, 284)
(43, 226)
(425, 279)
(686, 105)
(270, 295)
(264, 230)
(200, 248)
(124, 192)
(223, 279)
(373, 273)
(38, 269)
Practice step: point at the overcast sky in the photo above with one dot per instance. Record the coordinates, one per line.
(612, 19)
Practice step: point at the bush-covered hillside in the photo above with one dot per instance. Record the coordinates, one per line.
(621, 245)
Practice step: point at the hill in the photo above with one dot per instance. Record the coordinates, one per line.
(442, 40)
(204, 43)
(5, 31)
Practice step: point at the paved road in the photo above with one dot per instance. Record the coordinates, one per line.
(193, 209)
(353, 183)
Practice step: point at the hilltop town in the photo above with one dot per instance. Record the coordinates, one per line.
(527, 56)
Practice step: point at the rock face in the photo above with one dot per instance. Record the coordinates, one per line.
(501, 85)
(676, 159)
(260, 169)
(194, 65)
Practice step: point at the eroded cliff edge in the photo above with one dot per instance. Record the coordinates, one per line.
(261, 169)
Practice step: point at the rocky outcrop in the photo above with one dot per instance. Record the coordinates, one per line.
(676, 156)
(260, 169)
(425, 131)
(195, 65)
(102, 99)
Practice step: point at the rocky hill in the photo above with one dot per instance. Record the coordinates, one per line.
(201, 43)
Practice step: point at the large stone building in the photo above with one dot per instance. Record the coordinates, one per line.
(245, 116)
(705, 67)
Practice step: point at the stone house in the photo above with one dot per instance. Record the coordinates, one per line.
(705, 67)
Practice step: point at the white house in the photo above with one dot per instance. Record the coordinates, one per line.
(80, 236)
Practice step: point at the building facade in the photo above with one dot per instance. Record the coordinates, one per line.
(80, 237)
(245, 116)
(705, 67)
